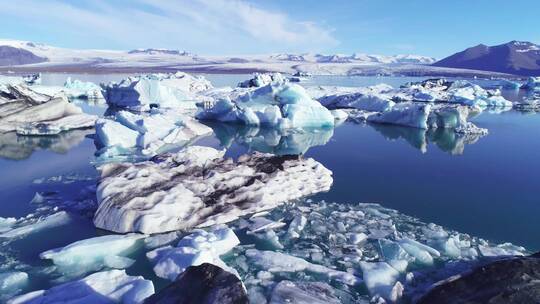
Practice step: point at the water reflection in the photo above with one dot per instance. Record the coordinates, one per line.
(267, 140)
(445, 139)
(17, 147)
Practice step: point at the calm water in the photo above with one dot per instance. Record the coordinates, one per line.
(487, 187)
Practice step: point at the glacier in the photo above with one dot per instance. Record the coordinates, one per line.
(113, 286)
(198, 187)
(176, 90)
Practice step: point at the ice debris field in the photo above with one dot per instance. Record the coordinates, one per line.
(165, 203)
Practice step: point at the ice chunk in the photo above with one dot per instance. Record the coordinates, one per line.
(12, 283)
(466, 93)
(6, 223)
(380, 279)
(281, 262)
(423, 254)
(95, 253)
(339, 115)
(148, 133)
(71, 122)
(179, 90)
(296, 226)
(159, 195)
(195, 249)
(28, 112)
(505, 249)
(26, 227)
(304, 293)
(113, 286)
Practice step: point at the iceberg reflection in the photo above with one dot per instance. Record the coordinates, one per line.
(270, 140)
(18, 147)
(445, 139)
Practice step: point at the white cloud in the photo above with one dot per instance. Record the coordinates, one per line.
(210, 26)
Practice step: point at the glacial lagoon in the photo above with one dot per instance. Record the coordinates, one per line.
(482, 186)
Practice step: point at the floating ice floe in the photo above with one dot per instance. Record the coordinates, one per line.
(533, 83)
(357, 248)
(270, 140)
(277, 104)
(30, 225)
(128, 134)
(179, 91)
(113, 286)
(279, 262)
(94, 254)
(304, 293)
(195, 249)
(198, 187)
(12, 283)
(31, 113)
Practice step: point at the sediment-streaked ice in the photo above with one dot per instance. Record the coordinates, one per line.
(198, 187)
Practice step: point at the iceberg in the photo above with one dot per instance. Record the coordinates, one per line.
(147, 134)
(263, 79)
(28, 112)
(113, 286)
(82, 90)
(95, 253)
(280, 105)
(466, 93)
(404, 114)
(194, 249)
(178, 90)
(198, 187)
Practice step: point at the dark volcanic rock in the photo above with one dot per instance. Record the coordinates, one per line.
(14, 56)
(203, 284)
(512, 280)
(515, 57)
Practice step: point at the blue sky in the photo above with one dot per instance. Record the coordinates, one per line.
(434, 28)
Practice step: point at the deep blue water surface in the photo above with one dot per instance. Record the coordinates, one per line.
(487, 187)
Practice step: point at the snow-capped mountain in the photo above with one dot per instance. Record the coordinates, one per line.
(515, 57)
(163, 60)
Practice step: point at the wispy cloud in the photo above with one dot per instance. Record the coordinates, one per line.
(214, 26)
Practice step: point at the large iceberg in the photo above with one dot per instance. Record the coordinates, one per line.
(93, 254)
(81, 89)
(178, 90)
(113, 286)
(195, 249)
(198, 187)
(277, 104)
(127, 133)
(32, 113)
